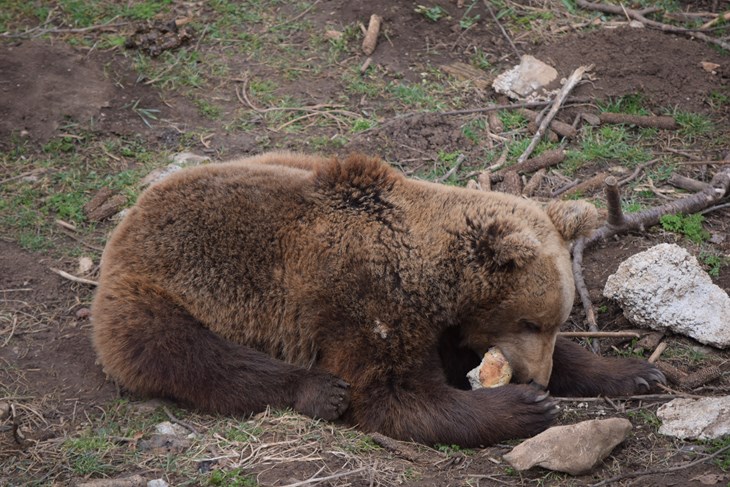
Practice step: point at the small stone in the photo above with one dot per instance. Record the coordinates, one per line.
(85, 265)
(188, 159)
(666, 288)
(575, 449)
(83, 313)
(157, 483)
(526, 79)
(332, 35)
(159, 174)
(168, 428)
(696, 419)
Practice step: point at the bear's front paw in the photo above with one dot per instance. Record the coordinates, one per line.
(645, 377)
(520, 409)
(322, 395)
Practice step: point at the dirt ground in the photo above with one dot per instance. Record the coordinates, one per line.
(79, 112)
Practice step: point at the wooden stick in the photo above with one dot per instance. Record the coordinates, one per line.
(511, 184)
(570, 83)
(689, 184)
(639, 15)
(534, 183)
(659, 350)
(370, 42)
(600, 334)
(561, 128)
(587, 186)
(544, 160)
(73, 278)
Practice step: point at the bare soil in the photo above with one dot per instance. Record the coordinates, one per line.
(48, 89)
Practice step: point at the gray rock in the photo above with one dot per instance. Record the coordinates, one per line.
(179, 161)
(665, 287)
(526, 79)
(575, 449)
(157, 483)
(696, 419)
(168, 428)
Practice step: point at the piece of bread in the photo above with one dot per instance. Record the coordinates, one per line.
(494, 371)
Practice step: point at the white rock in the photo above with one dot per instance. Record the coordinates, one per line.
(157, 483)
(179, 161)
(168, 428)
(694, 419)
(575, 449)
(524, 80)
(665, 287)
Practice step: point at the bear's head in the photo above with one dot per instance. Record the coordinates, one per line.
(520, 252)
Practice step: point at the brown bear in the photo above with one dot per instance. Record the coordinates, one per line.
(341, 288)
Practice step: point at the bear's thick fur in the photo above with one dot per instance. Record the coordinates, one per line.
(341, 288)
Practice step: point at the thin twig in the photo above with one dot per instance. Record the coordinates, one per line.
(316, 479)
(600, 334)
(182, 423)
(499, 24)
(451, 171)
(562, 95)
(631, 475)
(639, 15)
(73, 278)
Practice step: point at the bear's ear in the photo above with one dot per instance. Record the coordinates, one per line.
(573, 219)
(502, 243)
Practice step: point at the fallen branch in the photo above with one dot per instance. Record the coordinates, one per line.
(370, 42)
(533, 183)
(600, 334)
(546, 159)
(631, 475)
(657, 352)
(511, 183)
(618, 223)
(73, 278)
(683, 182)
(586, 186)
(668, 123)
(562, 95)
(639, 16)
(561, 128)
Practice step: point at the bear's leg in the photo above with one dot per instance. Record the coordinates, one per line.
(153, 347)
(578, 372)
(429, 411)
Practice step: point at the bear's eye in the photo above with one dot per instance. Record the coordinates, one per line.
(530, 326)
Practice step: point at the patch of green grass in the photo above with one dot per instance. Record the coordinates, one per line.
(473, 129)
(629, 104)
(86, 454)
(685, 353)
(207, 109)
(631, 206)
(453, 449)
(232, 478)
(369, 84)
(362, 124)
(468, 20)
(433, 14)
(718, 99)
(518, 147)
(722, 460)
(443, 164)
(608, 143)
(324, 143)
(512, 120)
(415, 96)
(480, 59)
(713, 262)
(20, 15)
(688, 225)
(693, 125)
(646, 416)
(172, 70)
